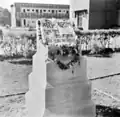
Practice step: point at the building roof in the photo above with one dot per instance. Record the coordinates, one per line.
(42, 5)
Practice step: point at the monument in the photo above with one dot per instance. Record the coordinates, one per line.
(58, 84)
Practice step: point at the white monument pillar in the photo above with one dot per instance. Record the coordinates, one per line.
(13, 16)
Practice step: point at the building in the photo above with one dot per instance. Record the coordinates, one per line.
(79, 13)
(5, 17)
(25, 14)
(95, 14)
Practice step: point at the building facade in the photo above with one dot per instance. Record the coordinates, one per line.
(5, 17)
(101, 14)
(79, 13)
(26, 14)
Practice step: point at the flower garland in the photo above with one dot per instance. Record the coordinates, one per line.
(64, 66)
(65, 51)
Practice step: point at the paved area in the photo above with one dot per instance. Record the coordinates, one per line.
(13, 78)
(98, 67)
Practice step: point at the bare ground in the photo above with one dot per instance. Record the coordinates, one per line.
(15, 106)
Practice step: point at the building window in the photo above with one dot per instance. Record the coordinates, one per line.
(28, 9)
(23, 10)
(40, 11)
(24, 22)
(37, 10)
(44, 10)
(67, 12)
(80, 21)
(53, 11)
(33, 10)
(48, 10)
(59, 10)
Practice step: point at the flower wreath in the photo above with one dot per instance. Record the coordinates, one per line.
(65, 51)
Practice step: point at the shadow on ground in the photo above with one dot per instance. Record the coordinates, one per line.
(29, 61)
(22, 62)
(101, 55)
(104, 111)
(2, 58)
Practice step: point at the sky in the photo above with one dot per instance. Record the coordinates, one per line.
(7, 3)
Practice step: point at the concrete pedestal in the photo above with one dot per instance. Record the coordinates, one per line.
(58, 93)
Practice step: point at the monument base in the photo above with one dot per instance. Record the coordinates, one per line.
(65, 94)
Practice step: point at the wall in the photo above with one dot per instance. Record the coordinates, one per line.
(118, 11)
(78, 5)
(118, 18)
(96, 20)
(103, 14)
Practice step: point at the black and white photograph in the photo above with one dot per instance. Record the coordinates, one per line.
(60, 58)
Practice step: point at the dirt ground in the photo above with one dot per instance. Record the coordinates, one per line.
(97, 67)
(15, 106)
